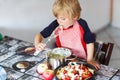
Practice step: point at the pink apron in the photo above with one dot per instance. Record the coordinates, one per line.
(72, 38)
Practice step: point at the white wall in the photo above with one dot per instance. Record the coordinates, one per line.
(96, 12)
(116, 13)
(24, 18)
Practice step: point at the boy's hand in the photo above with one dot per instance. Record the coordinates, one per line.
(95, 64)
(40, 46)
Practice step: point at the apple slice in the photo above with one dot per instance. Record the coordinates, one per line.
(42, 68)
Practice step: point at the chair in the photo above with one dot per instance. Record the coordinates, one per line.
(103, 52)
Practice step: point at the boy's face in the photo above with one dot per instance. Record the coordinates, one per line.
(64, 20)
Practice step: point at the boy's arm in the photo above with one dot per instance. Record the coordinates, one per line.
(90, 53)
(38, 39)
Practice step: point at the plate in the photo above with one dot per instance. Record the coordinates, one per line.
(60, 68)
(62, 51)
(22, 66)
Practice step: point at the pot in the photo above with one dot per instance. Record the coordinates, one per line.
(57, 57)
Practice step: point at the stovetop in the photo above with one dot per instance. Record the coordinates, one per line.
(9, 56)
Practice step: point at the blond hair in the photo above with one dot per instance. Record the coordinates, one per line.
(69, 7)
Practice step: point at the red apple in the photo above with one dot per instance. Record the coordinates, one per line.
(48, 74)
(42, 68)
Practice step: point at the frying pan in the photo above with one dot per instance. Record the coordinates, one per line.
(80, 62)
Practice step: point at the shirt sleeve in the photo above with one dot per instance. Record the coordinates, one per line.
(89, 37)
(49, 29)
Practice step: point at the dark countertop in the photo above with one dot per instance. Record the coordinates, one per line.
(9, 55)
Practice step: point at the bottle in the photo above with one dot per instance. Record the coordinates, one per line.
(3, 74)
(1, 37)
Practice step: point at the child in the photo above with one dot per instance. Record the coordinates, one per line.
(73, 31)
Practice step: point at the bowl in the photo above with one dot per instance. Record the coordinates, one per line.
(62, 51)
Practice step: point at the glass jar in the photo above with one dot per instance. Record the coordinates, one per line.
(3, 74)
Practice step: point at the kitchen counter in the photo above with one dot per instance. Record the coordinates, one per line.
(11, 53)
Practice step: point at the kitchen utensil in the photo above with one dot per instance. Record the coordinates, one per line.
(74, 63)
(22, 65)
(23, 51)
(57, 56)
(53, 35)
(114, 74)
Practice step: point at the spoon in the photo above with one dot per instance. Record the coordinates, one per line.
(53, 35)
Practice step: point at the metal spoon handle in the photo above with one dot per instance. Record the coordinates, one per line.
(53, 35)
(114, 74)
